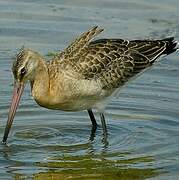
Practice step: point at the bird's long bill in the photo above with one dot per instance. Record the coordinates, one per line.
(17, 92)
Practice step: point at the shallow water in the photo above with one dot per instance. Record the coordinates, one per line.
(143, 122)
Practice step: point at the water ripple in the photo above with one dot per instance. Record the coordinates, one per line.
(142, 120)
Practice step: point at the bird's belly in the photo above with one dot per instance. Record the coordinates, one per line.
(73, 104)
(74, 95)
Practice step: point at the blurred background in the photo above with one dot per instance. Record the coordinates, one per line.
(142, 121)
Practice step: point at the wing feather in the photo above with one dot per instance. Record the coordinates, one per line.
(111, 61)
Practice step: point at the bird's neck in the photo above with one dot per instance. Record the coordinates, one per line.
(40, 83)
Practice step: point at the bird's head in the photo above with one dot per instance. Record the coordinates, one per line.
(24, 67)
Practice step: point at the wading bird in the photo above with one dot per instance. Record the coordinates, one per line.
(85, 74)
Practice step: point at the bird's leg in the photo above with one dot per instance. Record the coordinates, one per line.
(103, 122)
(93, 120)
(94, 124)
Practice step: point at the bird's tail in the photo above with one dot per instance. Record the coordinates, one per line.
(171, 45)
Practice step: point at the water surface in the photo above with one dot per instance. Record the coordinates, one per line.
(143, 122)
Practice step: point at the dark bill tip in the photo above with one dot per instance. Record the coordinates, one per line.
(17, 92)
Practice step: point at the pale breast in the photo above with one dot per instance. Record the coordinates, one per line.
(69, 93)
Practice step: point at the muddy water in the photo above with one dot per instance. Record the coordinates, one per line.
(143, 121)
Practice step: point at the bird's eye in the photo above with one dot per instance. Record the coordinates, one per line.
(23, 71)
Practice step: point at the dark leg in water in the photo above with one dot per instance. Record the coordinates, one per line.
(94, 124)
(105, 134)
(93, 120)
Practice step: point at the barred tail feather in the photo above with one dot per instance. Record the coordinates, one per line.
(171, 45)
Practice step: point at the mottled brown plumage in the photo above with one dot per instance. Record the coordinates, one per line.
(111, 61)
(85, 73)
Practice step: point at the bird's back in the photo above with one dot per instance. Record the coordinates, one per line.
(111, 62)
